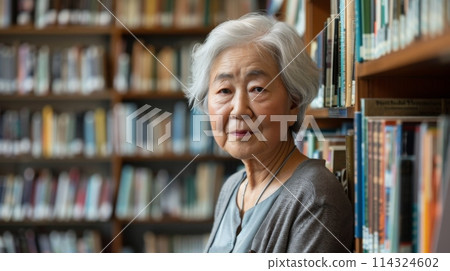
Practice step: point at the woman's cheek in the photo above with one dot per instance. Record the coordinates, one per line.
(217, 127)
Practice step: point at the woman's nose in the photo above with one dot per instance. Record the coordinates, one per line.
(240, 104)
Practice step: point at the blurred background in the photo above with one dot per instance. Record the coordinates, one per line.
(71, 72)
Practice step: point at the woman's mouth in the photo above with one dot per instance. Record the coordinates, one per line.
(240, 133)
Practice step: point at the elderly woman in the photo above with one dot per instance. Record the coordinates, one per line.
(251, 77)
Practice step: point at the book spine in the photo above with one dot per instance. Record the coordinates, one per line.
(358, 31)
(359, 203)
(364, 178)
(366, 30)
(381, 186)
(342, 52)
(335, 73)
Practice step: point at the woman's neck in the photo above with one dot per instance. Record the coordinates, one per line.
(261, 168)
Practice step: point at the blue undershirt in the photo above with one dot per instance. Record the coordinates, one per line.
(226, 239)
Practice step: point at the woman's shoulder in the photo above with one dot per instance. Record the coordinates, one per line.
(312, 181)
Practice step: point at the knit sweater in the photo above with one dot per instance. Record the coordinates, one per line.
(311, 214)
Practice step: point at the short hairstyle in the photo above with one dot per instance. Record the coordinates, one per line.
(299, 75)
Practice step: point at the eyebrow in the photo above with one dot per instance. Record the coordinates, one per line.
(256, 73)
(252, 73)
(221, 76)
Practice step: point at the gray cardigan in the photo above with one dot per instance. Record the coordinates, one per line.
(292, 224)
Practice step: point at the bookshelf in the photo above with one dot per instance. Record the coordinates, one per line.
(112, 40)
(337, 112)
(164, 31)
(407, 73)
(416, 59)
(99, 96)
(418, 70)
(413, 65)
(57, 30)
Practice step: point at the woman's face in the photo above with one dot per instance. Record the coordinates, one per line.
(240, 106)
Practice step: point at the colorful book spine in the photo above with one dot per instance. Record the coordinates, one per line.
(359, 203)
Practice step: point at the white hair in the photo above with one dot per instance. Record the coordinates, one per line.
(299, 73)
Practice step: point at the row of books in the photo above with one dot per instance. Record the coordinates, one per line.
(26, 68)
(181, 13)
(51, 134)
(157, 243)
(42, 13)
(148, 69)
(29, 241)
(295, 14)
(365, 30)
(333, 52)
(386, 26)
(401, 181)
(189, 196)
(331, 148)
(64, 196)
(152, 132)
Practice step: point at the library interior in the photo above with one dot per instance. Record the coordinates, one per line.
(89, 87)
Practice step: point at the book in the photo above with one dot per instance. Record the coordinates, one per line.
(441, 241)
(350, 165)
(124, 194)
(329, 91)
(47, 131)
(359, 199)
(89, 134)
(165, 80)
(25, 12)
(350, 21)
(6, 13)
(179, 128)
(93, 197)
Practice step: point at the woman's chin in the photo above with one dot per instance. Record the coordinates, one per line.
(242, 151)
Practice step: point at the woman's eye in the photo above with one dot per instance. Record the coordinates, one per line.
(224, 91)
(258, 89)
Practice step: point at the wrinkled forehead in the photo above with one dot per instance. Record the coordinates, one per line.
(243, 62)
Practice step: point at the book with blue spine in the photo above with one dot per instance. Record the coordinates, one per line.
(125, 186)
(358, 31)
(179, 128)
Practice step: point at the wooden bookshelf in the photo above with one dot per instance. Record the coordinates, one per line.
(109, 37)
(168, 221)
(62, 160)
(95, 96)
(332, 112)
(164, 31)
(57, 30)
(53, 222)
(154, 95)
(317, 12)
(419, 70)
(425, 57)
